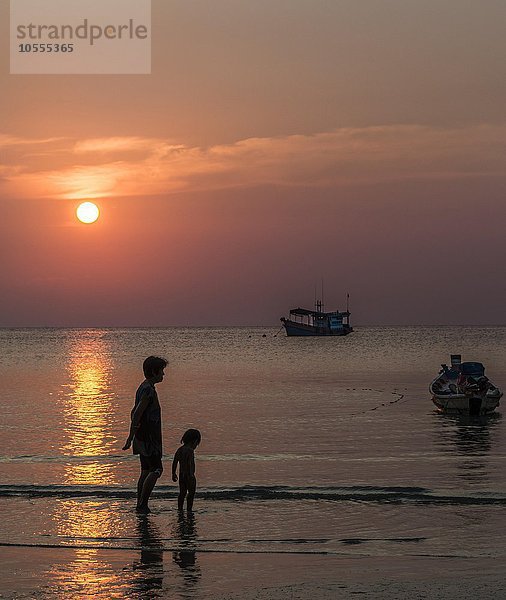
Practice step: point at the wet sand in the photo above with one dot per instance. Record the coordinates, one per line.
(151, 573)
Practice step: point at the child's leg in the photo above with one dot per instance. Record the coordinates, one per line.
(192, 486)
(183, 489)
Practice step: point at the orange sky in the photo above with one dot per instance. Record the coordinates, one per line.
(275, 143)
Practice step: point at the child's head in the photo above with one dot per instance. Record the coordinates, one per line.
(191, 437)
(153, 367)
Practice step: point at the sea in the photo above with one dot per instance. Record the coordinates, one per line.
(325, 446)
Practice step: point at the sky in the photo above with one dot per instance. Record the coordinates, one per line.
(275, 144)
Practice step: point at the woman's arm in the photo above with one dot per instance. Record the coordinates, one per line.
(136, 419)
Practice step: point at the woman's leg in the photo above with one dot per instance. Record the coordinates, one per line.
(147, 488)
(152, 469)
(140, 485)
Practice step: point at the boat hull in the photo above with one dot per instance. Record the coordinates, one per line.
(299, 329)
(460, 404)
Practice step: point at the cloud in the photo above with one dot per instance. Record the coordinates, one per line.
(121, 166)
(113, 144)
(11, 140)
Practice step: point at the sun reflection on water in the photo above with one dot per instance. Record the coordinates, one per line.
(86, 572)
(84, 575)
(88, 411)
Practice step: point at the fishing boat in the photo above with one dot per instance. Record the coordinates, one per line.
(304, 322)
(463, 388)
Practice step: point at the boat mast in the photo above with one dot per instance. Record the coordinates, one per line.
(318, 304)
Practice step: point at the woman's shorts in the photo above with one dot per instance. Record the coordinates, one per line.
(151, 463)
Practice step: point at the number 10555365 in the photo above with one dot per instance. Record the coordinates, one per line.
(46, 48)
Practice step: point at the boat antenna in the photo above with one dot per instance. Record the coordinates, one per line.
(347, 302)
(323, 305)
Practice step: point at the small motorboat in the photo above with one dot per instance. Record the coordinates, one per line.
(463, 388)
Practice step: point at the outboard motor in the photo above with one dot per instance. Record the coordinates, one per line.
(474, 406)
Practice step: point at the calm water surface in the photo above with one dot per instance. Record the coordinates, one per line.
(309, 445)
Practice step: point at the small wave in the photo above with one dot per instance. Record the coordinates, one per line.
(85, 458)
(108, 458)
(172, 548)
(197, 548)
(176, 548)
(385, 495)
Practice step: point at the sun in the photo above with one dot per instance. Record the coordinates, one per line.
(87, 212)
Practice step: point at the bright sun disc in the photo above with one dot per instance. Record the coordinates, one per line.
(87, 212)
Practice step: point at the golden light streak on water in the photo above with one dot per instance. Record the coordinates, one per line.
(87, 571)
(87, 524)
(88, 412)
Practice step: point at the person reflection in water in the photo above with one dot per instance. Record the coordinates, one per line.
(185, 457)
(149, 570)
(146, 430)
(185, 556)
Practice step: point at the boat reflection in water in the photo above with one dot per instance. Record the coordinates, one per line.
(470, 439)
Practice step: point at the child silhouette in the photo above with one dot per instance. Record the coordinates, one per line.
(185, 457)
